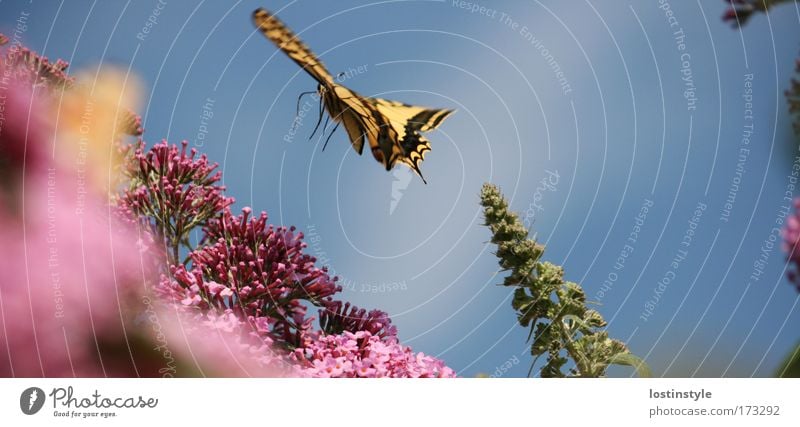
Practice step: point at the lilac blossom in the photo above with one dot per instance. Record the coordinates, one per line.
(67, 263)
(791, 245)
(363, 355)
(171, 191)
(255, 269)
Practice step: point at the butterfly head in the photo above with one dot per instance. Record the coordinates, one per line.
(328, 96)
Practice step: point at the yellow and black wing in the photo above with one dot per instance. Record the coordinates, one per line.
(287, 41)
(357, 114)
(367, 120)
(407, 122)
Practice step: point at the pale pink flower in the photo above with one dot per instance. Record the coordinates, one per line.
(366, 356)
(791, 245)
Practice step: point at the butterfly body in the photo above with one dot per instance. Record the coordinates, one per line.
(391, 129)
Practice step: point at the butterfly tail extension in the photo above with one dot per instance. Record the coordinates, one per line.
(289, 43)
(415, 167)
(414, 145)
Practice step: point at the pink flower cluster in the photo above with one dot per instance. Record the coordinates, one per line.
(22, 131)
(742, 10)
(64, 276)
(255, 269)
(130, 123)
(255, 275)
(27, 68)
(793, 98)
(223, 343)
(363, 355)
(791, 245)
(171, 191)
(66, 262)
(338, 317)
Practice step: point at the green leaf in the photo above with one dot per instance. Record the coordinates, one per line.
(628, 359)
(790, 368)
(562, 326)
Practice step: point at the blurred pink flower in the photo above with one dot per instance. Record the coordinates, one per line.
(791, 245)
(740, 11)
(28, 68)
(64, 275)
(793, 97)
(66, 264)
(23, 134)
(214, 343)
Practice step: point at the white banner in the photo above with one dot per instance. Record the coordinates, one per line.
(133, 402)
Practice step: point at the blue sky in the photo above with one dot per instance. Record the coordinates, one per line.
(581, 152)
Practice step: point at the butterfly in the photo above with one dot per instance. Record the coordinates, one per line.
(392, 129)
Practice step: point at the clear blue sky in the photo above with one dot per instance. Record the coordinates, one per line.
(615, 127)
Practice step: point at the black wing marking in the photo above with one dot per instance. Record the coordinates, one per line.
(287, 41)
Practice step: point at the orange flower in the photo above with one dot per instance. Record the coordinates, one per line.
(90, 118)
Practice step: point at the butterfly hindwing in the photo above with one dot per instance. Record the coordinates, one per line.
(407, 122)
(287, 41)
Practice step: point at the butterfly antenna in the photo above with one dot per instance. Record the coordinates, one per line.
(297, 110)
(319, 120)
(330, 135)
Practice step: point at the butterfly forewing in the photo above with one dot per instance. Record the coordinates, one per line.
(287, 41)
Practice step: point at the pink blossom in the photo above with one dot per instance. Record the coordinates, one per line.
(67, 268)
(791, 245)
(23, 133)
(171, 191)
(740, 11)
(364, 355)
(29, 69)
(213, 343)
(793, 98)
(264, 268)
(338, 317)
